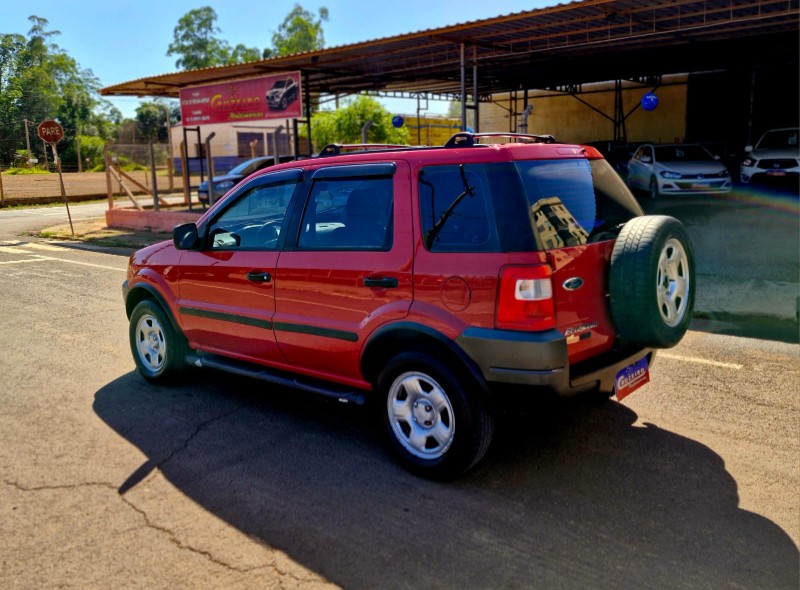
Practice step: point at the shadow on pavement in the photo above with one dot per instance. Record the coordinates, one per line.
(572, 495)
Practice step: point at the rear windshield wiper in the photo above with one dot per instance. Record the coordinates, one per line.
(468, 190)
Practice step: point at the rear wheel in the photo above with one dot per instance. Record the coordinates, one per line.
(652, 281)
(437, 424)
(654, 194)
(158, 350)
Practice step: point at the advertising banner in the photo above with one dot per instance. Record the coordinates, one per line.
(254, 99)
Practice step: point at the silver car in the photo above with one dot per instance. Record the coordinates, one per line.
(677, 169)
(776, 158)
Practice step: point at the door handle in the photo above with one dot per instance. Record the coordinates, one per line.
(384, 282)
(259, 276)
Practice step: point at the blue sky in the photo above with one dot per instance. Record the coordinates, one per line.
(122, 41)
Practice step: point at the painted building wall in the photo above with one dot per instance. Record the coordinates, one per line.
(572, 121)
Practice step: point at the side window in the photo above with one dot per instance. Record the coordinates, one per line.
(349, 214)
(253, 221)
(456, 210)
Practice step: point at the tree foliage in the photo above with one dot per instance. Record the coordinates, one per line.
(40, 81)
(197, 44)
(344, 125)
(300, 31)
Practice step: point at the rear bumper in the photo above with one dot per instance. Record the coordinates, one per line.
(540, 359)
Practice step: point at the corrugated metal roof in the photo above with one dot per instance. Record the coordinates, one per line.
(571, 43)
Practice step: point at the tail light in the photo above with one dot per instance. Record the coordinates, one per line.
(526, 298)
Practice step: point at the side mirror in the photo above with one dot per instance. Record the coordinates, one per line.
(185, 236)
(748, 148)
(646, 159)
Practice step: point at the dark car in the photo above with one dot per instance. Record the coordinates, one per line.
(443, 286)
(282, 93)
(222, 184)
(617, 153)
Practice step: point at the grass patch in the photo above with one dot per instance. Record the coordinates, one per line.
(18, 171)
(95, 233)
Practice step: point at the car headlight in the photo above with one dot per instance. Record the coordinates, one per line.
(668, 174)
(749, 162)
(725, 173)
(223, 186)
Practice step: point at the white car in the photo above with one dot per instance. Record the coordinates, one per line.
(776, 157)
(677, 169)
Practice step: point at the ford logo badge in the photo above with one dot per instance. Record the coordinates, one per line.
(573, 284)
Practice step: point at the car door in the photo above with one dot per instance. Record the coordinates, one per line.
(348, 271)
(227, 288)
(640, 168)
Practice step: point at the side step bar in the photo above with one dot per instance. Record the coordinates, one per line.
(210, 361)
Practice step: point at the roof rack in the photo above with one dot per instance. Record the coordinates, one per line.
(334, 149)
(466, 139)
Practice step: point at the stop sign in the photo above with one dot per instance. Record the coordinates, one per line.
(50, 131)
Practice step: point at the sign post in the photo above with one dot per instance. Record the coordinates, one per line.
(52, 132)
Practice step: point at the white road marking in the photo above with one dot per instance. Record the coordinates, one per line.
(45, 247)
(699, 361)
(39, 258)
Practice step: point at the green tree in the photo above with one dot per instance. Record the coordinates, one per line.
(39, 81)
(300, 31)
(344, 125)
(151, 118)
(195, 40)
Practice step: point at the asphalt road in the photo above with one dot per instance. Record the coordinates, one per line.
(221, 482)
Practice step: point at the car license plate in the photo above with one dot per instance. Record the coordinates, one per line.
(631, 378)
(700, 186)
(776, 173)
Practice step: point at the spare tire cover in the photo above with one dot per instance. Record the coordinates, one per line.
(652, 281)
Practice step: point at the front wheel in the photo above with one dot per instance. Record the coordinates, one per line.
(437, 422)
(158, 350)
(654, 194)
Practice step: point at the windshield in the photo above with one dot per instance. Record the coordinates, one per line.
(682, 153)
(779, 140)
(279, 84)
(247, 168)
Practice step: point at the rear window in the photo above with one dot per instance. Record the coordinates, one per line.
(522, 206)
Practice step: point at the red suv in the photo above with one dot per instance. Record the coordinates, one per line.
(426, 280)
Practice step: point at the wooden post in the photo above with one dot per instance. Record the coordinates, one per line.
(78, 151)
(185, 169)
(109, 187)
(61, 182)
(153, 174)
(2, 194)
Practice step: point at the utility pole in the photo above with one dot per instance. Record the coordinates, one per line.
(28, 139)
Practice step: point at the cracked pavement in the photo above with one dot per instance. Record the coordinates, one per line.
(107, 481)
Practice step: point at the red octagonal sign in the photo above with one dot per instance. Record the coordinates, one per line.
(50, 131)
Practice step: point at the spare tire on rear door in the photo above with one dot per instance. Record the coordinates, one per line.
(652, 281)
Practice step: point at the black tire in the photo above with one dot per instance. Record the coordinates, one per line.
(653, 191)
(652, 281)
(437, 422)
(158, 350)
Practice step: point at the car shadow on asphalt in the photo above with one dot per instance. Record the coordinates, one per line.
(571, 495)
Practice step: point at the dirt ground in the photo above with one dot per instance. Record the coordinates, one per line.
(23, 189)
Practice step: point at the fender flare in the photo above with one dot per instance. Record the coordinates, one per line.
(142, 291)
(375, 348)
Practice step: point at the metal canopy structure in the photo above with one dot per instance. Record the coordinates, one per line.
(557, 47)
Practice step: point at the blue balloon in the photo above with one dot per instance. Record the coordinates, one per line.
(649, 101)
(397, 121)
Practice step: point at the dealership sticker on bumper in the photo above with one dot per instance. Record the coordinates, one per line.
(631, 378)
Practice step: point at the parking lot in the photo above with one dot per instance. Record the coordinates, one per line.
(221, 482)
